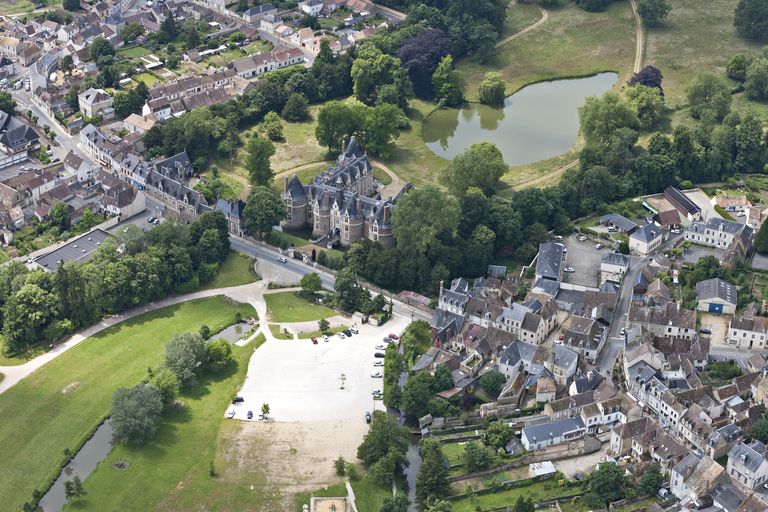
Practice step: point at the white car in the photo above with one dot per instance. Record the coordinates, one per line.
(569, 270)
(741, 214)
(325, 337)
(623, 331)
(378, 363)
(341, 335)
(376, 375)
(231, 414)
(353, 330)
(282, 259)
(376, 392)
(599, 246)
(380, 347)
(582, 238)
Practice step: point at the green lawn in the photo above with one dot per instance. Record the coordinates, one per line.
(572, 42)
(148, 78)
(23, 357)
(59, 405)
(697, 36)
(369, 495)
(331, 331)
(382, 177)
(23, 6)
(134, 52)
(288, 307)
(453, 452)
(742, 105)
(519, 16)
(300, 145)
(278, 333)
(332, 491)
(539, 491)
(235, 271)
(182, 451)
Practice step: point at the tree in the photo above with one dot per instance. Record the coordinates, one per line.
(218, 354)
(751, 19)
(421, 55)
(74, 488)
(373, 71)
(709, 97)
(481, 166)
(385, 435)
(397, 503)
(492, 382)
(442, 379)
(184, 355)
(380, 129)
(649, 76)
(264, 411)
(310, 284)
(476, 457)
(25, 314)
(262, 211)
(432, 480)
(273, 126)
(169, 29)
(416, 394)
(523, 505)
(347, 290)
(652, 480)
(67, 64)
(421, 216)
(607, 483)
(491, 90)
(337, 122)
(135, 413)
(653, 12)
(132, 31)
(647, 103)
(761, 240)
(99, 48)
(59, 216)
(257, 162)
(340, 465)
(446, 84)
(7, 103)
(167, 384)
(756, 85)
(296, 108)
(600, 117)
(71, 5)
(498, 434)
(759, 430)
(439, 506)
(736, 69)
(323, 325)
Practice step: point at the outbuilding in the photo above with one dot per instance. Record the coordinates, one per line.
(716, 296)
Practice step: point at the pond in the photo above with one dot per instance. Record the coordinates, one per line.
(538, 122)
(233, 333)
(93, 451)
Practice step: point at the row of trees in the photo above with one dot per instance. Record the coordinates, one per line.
(44, 306)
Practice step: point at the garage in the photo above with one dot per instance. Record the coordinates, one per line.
(716, 296)
(715, 308)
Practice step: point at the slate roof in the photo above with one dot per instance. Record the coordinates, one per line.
(681, 201)
(15, 134)
(716, 288)
(621, 222)
(556, 428)
(751, 456)
(647, 233)
(614, 258)
(80, 249)
(550, 260)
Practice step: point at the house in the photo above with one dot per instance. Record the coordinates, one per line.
(6, 67)
(563, 363)
(695, 477)
(748, 332)
(233, 212)
(646, 239)
(613, 267)
(687, 208)
(257, 12)
(517, 358)
(549, 261)
(720, 233)
(311, 7)
(95, 102)
(540, 436)
(668, 220)
(586, 336)
(269, 22)
(722, 439)
(27, 53)
(618, 223)
(16, 139)
(302, 35)
(135, 123)
(124, 201)
(623, 434)
(78, 167)
(747, 464)
(716, 296)
(731, 203)
(669, 321)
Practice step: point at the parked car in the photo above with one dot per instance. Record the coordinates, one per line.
(376, 392)
(599, 246)
(378, 396)
(387, 339)
(380, 355)
(152, 220)
(348, 333)
(569, 270)
(741, 214)
(582, 238)
(558, 238)
(612, 229)
(380, 347)
(578, 477)
(394, 336)
(238, 400)
(354, 331)
(367, 417)
(561, 337)
(250, 415)
(378, 363)
(675, 231)
(231, 414)
(705, 331)
(314, 340)
(325, 337)
(376, 375)
(623, 331)
(341, 335)
(282, 259)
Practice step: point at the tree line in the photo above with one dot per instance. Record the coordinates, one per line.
(132, 269)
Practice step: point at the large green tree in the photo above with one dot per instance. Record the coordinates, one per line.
(607, 483)
(446, 84)
(652, 480)
(709, 97)
(653, 12)
(422, 215)
(761, 240)
(99, 48)
(476, 456)
(263, 210)
(185, 355)
(751, 19)
(337, 122)
(25, 315)
(135, 413)
(380, 78)
(498, 434)
(601, 116)
(385, 435)
(648, 104)
(756, 85)
(7, 103)
(260, 171)
(416, 393)
(218, 354)
(491, 90)
(481, 166)
(167, 384)
(432, 480)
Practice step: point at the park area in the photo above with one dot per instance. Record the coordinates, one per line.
(60, 405)
(287, 307)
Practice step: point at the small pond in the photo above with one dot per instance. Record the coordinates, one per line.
(538, 122)
(233, 333)
(93, 451)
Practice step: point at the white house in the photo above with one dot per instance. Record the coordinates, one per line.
(748, 332)
(613, 266)
(540, 436)
(716, 296)
(94, 102)
(694, 477)
(646, 239)
(747, 463)
(719, 233)
(311, 7)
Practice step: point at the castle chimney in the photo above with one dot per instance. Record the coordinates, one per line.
(285, 184)
(441, 288)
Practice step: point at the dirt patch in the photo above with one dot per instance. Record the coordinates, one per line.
(70, 387)
(291, 457)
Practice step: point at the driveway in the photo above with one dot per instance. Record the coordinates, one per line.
(585, 260)
(583, 464)
(302, 382)
(718, 324)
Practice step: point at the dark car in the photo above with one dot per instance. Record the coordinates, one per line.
(348, 332)
(250, 415)
(378, 354)
(367, 417)
(314, 340)
(578, 476)
(238, 400)
(394, 336)
(705, 331)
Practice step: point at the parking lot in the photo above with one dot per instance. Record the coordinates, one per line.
(302, 382)
(585, 261)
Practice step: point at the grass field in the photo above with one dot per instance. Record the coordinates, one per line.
(519, 16)
(286, 307)
(572, 42)
(300, 145)
(148, 79)
(697, 36)
(235, 271)
(182, 451)
(278, 333)
(24, 6)
(331, 331)
(539, 491)
(369, 495)
(59, 405)
(134, 52)
(453, 452)
(332, 491)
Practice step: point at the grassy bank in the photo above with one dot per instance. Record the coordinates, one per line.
(57, 406)
(179, 456)
(235, 271)
(286, 307)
